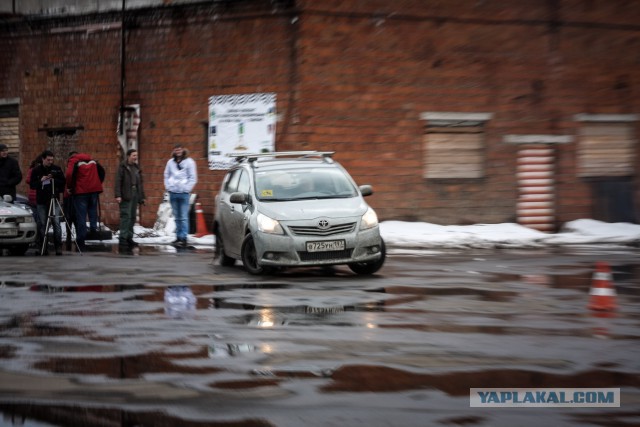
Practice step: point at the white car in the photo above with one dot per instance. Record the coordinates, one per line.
(292, 209)
(18, 229)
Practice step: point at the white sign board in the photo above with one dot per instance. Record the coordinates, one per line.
(238, 124)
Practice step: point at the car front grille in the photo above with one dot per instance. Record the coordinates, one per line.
(316, 231)
(325, 256)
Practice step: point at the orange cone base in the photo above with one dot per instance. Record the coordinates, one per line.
(201, 225)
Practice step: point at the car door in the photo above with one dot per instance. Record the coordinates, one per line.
(234, 216)
(226, 210)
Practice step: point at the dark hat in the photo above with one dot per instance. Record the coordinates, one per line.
(3, 147)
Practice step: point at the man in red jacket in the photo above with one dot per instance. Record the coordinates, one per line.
(84, 182)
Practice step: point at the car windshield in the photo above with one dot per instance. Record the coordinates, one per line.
(303, 184)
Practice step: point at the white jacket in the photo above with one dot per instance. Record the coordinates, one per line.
(180, 178)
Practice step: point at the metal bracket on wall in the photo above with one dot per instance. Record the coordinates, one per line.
(60, 130)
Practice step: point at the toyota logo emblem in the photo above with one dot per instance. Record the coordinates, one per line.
(323, 224)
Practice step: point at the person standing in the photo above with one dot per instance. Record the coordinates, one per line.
(10, 174)
(129, 192)
(48, 180)
(180, 176)
(32, 193)
(67, 206)
(84, 180)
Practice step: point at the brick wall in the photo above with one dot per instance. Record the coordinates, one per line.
(350, 76)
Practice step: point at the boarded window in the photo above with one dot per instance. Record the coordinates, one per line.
(606, 149)
(454, 152)
(9, 128)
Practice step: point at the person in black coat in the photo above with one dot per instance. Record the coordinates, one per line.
(49, 182)
(129, 191)
(10, 174)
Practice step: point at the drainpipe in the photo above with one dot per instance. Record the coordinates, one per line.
(122, 68)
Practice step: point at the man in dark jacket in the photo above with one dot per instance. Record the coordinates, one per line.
(84, 181)
(48, 181)
(10, 174)
(129, 193)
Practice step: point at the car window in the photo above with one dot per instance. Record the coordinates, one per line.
(244, 184)
(232, 182)
(302, 184)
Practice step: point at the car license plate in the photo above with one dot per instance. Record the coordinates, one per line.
(329, 245)
(9, 232)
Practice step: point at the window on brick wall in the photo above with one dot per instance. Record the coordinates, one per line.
(62, 142)
(9, 128)
(454, 145)
(606, 149)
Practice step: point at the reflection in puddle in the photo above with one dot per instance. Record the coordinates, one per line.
(624, 277)
(222, 350)
(31, 415)
(25, 325)
(126, 366)
(14, 284)
(272, 317)
(385, 379)
(179, 302)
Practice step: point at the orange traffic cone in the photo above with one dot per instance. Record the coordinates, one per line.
(603, 294)
(201, 225)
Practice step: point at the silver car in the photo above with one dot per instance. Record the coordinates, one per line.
(292, 209)
(17, 226)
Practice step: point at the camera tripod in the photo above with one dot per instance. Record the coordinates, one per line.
(54, 205)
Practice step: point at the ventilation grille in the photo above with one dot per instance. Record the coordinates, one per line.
(315, 231)
(325, 256)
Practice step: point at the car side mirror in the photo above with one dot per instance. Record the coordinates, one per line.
(366, 190)
(238, 197)
(7, 198)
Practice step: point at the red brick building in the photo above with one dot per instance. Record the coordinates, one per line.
(457, 111)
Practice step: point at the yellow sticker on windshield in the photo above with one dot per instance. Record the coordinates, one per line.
(267, 193)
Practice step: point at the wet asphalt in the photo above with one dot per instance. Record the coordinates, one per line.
(166, 337)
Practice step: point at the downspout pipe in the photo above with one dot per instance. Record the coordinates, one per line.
(122, 67)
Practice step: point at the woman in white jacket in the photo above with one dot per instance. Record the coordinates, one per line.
(180, 176)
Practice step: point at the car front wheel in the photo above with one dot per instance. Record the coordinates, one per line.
(370, 267)
(250, 257)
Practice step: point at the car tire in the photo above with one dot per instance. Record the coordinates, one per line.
(223, 259)
(18, 250)
(370, 267)
(250, 257)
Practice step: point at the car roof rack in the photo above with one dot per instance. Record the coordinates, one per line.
(252, 157)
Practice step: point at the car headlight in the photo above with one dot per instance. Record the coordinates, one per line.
(369, 219)
(268, 225)
(24, 219)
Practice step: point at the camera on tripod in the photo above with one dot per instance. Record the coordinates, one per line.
(55, 173)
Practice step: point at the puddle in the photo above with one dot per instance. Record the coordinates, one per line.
(232, 286)
(26, 325)
(86, 288)
(14, 284)
(7, 351)
(485, 294)
(625, 278)
(386, 379)
(31, 415)
(127, 366)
